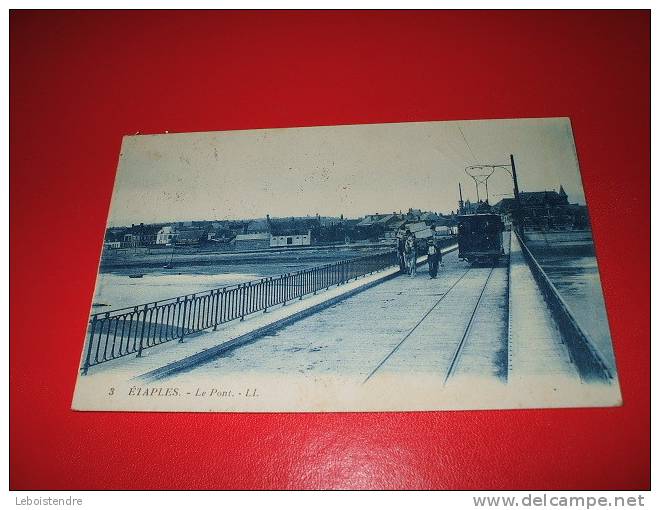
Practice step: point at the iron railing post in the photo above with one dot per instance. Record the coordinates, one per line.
(88, 358)
(285, 283)
(243, 294)
(266, 294)
(183, 319)
(144, 323)
(217, 309)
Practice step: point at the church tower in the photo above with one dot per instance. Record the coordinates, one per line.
(562, 194)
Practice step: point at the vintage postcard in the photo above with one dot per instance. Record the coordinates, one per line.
(386, 267)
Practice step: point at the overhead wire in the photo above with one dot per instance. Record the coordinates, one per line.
(468, 144)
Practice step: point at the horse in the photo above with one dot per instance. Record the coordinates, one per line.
(410, 256)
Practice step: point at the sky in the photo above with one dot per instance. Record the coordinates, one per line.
(351, 170)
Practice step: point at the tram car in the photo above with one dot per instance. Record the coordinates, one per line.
(480, 238)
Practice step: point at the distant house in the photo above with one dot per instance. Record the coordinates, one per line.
(113, 238)
(349, 231)
(393, 227)
(166, 235)
(414, 214)
(236, 227)
(378, 226)
(443, 231)
(220, 233)
(252, 241)
(533, 200)
(544, 209)
(190, 236)
(259, 226)
(429, 217)
(329, 221)
(378, 219)
(292, 239)
(293, 231)
(140, 235)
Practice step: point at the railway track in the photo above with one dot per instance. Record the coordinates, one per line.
(412, 330)
(501, 323)
(457, 348)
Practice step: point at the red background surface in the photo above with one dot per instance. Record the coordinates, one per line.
(81, 80)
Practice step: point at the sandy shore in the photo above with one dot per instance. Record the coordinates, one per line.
(186, 256)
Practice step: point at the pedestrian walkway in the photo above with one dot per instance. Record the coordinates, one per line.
(535, 343)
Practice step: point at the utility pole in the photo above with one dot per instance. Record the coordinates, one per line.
(460, 199)
(515, 178)
(516, 194)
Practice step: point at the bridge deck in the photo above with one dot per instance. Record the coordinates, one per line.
(350, 337)
(451, 327)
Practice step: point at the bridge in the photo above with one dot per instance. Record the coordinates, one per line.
(361, 318)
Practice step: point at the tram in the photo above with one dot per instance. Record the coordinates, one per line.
(480, 238)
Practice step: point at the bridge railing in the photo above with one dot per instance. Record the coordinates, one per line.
(582, 350)
(125, 331)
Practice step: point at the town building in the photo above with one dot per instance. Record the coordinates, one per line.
(114, 237)
(258, 226)
(190, 236)
(253, 241)
(413, 214)
(166, 235)
(378, 219)
(140, 235)
(291, 239)
(542, 210)
(293, 231)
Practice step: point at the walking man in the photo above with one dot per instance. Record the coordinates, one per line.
(400, 250)
(433, 258)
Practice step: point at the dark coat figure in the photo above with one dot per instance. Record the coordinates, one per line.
(400, 247)
(434, 258)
